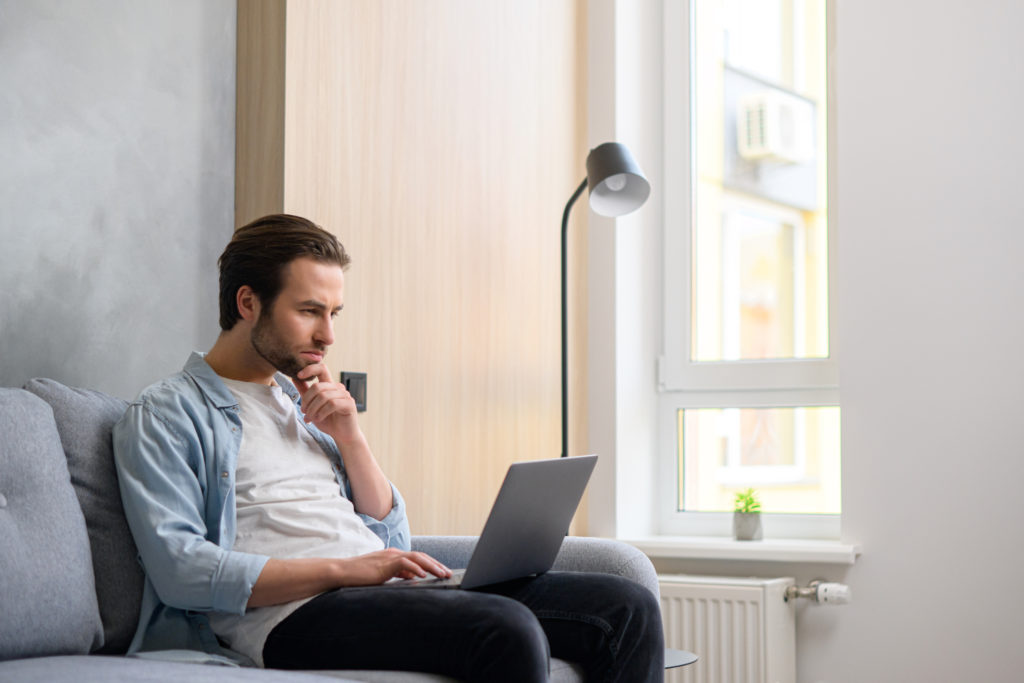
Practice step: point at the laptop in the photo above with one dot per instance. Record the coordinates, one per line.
(526, 526)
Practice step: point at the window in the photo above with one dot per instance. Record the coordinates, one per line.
(748, 378)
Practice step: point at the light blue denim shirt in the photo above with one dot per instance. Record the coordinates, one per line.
(176, 449)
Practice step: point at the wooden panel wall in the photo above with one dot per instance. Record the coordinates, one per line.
(440, 141)
(259, 113)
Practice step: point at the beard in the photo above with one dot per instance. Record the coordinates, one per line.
(271, 348)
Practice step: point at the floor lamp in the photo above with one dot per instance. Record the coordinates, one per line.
(617, 187)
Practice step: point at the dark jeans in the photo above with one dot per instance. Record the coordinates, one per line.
(507, 632)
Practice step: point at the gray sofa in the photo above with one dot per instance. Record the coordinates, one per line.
(70, 584)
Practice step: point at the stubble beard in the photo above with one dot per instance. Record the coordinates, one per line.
(268, 345)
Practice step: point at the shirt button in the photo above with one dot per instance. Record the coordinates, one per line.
(224, 474)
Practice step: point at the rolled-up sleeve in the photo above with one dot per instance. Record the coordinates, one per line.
(394, 528)
(163, 479)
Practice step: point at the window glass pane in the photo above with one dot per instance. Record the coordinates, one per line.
(760, 257)
(789, 455)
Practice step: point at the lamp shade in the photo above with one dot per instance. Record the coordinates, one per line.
(617, 185)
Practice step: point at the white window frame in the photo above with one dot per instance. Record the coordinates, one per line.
(685, 384)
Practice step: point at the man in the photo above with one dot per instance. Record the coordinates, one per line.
(262, 517)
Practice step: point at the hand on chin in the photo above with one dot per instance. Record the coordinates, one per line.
(305, 373)
(327, 404)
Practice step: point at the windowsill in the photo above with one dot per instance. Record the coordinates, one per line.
(768, 550)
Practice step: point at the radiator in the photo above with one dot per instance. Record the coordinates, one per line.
(743, 630)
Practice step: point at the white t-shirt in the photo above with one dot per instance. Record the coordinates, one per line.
(288, 504)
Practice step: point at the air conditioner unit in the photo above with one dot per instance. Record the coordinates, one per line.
(775, 126)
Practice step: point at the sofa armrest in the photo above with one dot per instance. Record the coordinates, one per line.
(607, 556)
(578, 554)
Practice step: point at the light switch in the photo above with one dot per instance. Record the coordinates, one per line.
(355, 382)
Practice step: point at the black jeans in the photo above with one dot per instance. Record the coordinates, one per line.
(507, 632)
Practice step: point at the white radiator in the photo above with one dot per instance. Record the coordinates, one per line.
(743, 630)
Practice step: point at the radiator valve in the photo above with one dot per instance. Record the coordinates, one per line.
(822, 592)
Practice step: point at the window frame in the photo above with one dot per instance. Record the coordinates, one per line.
(684, 384)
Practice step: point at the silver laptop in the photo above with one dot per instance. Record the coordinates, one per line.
(526, 526)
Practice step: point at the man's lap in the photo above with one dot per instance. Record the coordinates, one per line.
(433, 629)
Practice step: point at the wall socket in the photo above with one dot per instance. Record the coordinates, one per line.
(355, 382)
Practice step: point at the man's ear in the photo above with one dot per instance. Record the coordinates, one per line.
(248, 304)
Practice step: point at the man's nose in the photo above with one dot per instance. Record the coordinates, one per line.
(325, 331)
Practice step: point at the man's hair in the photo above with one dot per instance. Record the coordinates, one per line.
(260, 251)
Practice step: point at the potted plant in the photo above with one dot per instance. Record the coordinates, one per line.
(746, 516)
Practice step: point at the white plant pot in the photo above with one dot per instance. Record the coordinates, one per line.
(746, 526)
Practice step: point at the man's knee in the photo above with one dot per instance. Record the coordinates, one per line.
(632, 610)
(517, 627)
(509, 645)
(642, 632)
(643, 598)
(642, 603)
(626, 592)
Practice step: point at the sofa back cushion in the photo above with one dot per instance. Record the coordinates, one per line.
(47, 594)
(84, 421)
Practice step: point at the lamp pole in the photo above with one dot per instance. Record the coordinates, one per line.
(565, 320)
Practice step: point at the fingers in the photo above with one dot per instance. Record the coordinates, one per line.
(324, 399)
(318, 371)
(429, 564)
(303, 380)
(409, 569)
(412, 564)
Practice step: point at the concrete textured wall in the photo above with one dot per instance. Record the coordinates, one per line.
(116, 186)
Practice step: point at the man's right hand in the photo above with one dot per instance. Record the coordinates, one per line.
(383, 565)
(283, 581)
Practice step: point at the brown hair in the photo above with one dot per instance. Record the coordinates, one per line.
(259, 252)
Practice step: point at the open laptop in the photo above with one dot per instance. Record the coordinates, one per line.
(526, 526)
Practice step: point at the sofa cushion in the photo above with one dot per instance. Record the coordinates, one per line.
(561, 672)
(84, 420)
(47, 594)
(97, 669)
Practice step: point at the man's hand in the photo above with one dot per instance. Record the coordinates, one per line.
(287, 580)
(327, 404)
(383, 565)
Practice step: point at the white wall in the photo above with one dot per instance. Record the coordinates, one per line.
(930, 317)
(116, 186)
(930, 279)
(624, 270)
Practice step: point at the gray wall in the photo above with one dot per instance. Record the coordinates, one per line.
(929, 96)
(116, 186)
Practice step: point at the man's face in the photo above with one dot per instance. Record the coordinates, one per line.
(298, 326)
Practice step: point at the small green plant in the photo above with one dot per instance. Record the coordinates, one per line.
(747, 502)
